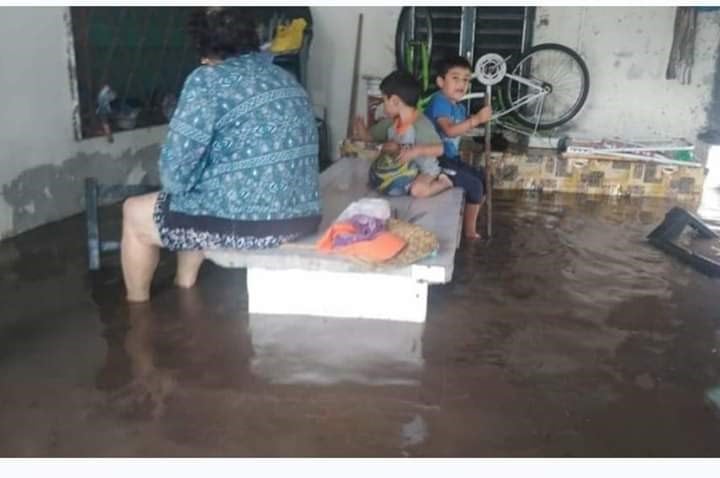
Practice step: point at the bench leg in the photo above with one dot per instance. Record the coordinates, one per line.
(336, 294)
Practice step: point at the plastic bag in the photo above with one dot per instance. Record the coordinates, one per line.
(289, 37)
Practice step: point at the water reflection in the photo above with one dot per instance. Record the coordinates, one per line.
(204, 337)
(137, 385)
(182, 338)
(314, 350)
(709, 208)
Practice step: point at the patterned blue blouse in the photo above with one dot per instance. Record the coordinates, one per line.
(242, 144)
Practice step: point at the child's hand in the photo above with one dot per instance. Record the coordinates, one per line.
(482, 116)
(391, 147)
(407, 154)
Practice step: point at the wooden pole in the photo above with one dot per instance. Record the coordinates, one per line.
(355, 77)
(488, 171)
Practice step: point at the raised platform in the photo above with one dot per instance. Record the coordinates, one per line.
(298, 279)
(546, 170)
(543, 169)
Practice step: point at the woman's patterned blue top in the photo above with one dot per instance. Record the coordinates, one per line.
(242, 144)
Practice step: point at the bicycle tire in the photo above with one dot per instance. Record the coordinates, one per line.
(402, 34)
(578, 98)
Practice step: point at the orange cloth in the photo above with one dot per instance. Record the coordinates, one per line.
(400, 127)
(326, 242)
(381, 248)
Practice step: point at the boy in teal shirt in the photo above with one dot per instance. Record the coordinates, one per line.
(451, 121)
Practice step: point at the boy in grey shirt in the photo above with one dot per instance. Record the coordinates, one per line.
(407, 133)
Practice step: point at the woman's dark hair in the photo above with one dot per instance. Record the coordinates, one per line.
(222, 32)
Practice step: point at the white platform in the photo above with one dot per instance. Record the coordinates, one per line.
(298, 279)
(336, 294)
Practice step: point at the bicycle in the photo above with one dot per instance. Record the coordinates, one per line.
(538, 93)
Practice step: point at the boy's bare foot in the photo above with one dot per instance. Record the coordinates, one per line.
(472, 236)
(445, 180)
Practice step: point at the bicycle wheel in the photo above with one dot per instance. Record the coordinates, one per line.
(416, 29)
(562, 73)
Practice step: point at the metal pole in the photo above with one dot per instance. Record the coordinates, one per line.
(488, 171)
(468, 19)
(355, 73)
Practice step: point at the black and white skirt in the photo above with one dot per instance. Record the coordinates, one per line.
(184, 232)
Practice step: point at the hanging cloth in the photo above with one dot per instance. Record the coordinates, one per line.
(682, 51)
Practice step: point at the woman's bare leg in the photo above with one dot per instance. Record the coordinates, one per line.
(188, 266)
(140, 246)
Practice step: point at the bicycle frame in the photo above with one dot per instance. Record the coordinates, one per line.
(537, 92)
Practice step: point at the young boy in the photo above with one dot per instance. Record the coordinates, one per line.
(408, 133)
(452, 121)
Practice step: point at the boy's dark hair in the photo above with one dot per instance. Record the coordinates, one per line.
(446, 64)
(403, 85)
(223, 32)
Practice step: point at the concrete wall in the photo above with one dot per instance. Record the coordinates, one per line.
(42, 166)
(627, 51)
(332, 55)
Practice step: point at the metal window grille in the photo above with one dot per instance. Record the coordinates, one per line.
(474, 31)
(503, 30)
(143, 53)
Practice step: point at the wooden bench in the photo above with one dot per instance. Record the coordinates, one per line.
(296, 279)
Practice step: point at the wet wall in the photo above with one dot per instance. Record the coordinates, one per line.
(627, 51)
(42, 165)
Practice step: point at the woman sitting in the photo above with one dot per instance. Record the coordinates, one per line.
(239, 167)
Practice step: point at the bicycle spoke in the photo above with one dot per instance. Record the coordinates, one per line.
(565, 81)
(555, 66)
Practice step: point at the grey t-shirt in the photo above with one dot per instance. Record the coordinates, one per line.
(421, 132)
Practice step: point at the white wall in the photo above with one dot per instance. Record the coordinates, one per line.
(36, 114)
(627, 51)
(332, 54)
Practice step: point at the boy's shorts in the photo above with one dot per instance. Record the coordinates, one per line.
(467, 177)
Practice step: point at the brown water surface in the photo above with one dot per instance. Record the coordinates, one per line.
(566, 335)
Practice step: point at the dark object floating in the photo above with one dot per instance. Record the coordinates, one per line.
(663, 237)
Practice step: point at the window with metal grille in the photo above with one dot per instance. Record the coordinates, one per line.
(142, 54)
(502, 30)
(470, 32)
